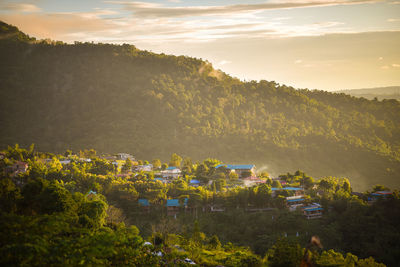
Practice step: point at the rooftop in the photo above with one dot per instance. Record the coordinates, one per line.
(381, 193)
(236, 167)
(143, 202)
(295, 200)
(175, 202)
(287, 188)
(313, 208)
(293, 188)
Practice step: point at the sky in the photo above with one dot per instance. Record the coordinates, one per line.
(315, 44)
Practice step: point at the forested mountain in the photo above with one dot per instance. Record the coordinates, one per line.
(117, 98)
(391, 92)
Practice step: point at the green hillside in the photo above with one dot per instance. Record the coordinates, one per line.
(117, 98)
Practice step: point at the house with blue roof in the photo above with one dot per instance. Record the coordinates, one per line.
(173, 205)
(313, 211)
(92, 194)
(144, 168)
(144, 204)
(241, 170)
(294, 202)
(378, 195)
(194, 183)
(171, 172)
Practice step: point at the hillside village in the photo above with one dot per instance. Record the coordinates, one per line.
(204, 186)
(176, 204)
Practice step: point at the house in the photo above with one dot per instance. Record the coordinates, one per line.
(313, 211)
(379, 195)
(21, 166)
(65, 162)
(173, 206)
(241, 170)
(144, 168)
(2, 155)
(294, 202)
(194, 183)
(124, 156)
(144, 204)
(91, 195)
(17, 167)
(171, 172)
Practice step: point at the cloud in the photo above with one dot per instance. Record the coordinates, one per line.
(155, 10)
(385, 67)
(393, 20)
(60, 26)
(380, 58)
(19, 7)
(298, 61)
(396, 65)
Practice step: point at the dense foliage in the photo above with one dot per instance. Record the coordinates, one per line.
(75, 213)
(119, 98)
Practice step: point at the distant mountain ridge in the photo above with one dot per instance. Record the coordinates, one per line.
(117, 98)
(389, 92)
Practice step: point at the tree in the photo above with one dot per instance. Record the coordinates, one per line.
(9, 195)
(127, 167)
(164, 166)
(156, 163)
(175, 160)
(55, 198)
(220, 183)
(276, 184)
(263, 194)
(101, 166)
(285, 253)
(201, 171)
(307, 182)
(67, 153)
(369, 262)
(92, 214)
(233, 176)
(330, 258)
(346, 185)
(214, 242)
(187, 166)
(211, 163)
(197, 236)
(115, 215)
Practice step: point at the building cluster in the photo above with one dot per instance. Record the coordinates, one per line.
(295, 198)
